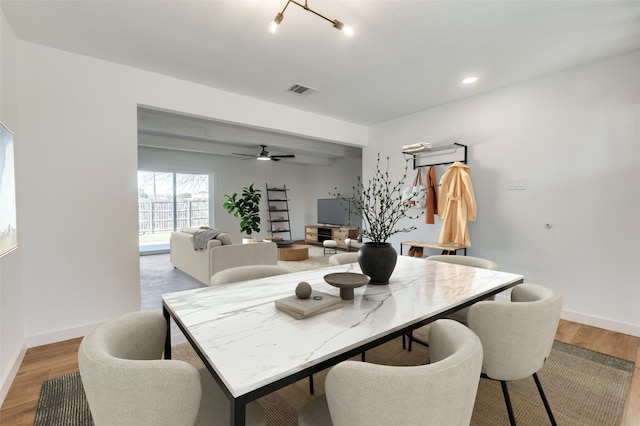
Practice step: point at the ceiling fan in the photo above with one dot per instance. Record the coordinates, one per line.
(264, 155)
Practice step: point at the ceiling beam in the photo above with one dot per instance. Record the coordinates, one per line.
(220, 149)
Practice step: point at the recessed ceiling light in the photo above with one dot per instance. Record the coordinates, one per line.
(469, 80)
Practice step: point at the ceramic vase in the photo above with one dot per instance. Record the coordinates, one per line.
(377, 260)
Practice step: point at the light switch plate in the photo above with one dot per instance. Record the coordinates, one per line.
(516, 184)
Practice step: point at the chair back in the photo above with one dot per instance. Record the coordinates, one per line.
(442, 392)
(517, 336)
(249, 272)
(476, 262)
(343, 258)
(126, 381)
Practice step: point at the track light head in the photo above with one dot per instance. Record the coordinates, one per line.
(273, 28)
(340, 26)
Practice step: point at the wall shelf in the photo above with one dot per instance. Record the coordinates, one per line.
(440, 155)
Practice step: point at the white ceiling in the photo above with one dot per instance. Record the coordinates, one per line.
(406, 56)
(174, 131)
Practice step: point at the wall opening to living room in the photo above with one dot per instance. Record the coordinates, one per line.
(171, 141)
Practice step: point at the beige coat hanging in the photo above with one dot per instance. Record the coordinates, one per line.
(456, 204)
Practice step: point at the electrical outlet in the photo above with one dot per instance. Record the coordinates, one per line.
(516, 184)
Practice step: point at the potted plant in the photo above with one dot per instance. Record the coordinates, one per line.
(380, 204)
(247, 208)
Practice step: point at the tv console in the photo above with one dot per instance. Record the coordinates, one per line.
(316, 234)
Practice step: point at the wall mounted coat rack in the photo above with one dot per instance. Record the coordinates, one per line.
(446, 154)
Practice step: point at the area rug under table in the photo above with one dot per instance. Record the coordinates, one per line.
(583, 387)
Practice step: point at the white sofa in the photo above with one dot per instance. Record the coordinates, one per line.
(202, 264)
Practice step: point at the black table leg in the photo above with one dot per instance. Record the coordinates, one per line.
(167, 341)
(237, 412)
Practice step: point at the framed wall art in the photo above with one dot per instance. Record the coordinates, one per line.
(8, 232)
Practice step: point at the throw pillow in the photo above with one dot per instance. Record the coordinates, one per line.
(224, 238)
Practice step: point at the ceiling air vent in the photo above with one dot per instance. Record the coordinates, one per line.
(299, 89)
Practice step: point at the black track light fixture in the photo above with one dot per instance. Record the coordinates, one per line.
(273, 28)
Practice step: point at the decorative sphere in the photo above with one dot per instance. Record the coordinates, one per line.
(303, 290)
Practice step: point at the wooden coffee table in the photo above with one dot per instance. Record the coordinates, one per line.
(293, 252)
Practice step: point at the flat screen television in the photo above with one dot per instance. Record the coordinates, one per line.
(337, 211)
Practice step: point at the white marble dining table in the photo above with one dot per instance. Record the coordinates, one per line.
(252, 349)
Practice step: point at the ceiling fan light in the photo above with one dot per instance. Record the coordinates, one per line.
(338, 25)
(263, 158)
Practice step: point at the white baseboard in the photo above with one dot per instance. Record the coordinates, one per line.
(607, 324)
(593, 321)
(8, 378)
(39, 340)
(60, 335)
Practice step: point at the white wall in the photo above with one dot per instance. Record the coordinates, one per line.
(12, 339)
(307, 183)
(78, 122)
(574, 137)
(75, 120)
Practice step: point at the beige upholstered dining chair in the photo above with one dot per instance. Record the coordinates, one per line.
(517, 336)
(243, 273)
(343, 258)
(461, 314)
(127, 383)
(476, 262)
(440, 393)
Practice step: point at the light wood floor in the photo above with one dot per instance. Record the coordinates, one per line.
(50, 361)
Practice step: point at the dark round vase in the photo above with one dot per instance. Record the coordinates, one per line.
(377, 260)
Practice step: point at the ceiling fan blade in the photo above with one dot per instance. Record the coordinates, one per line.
(264, 154)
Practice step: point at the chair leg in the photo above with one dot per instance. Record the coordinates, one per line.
(417, 340)
(507, 400)
(544, 399)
